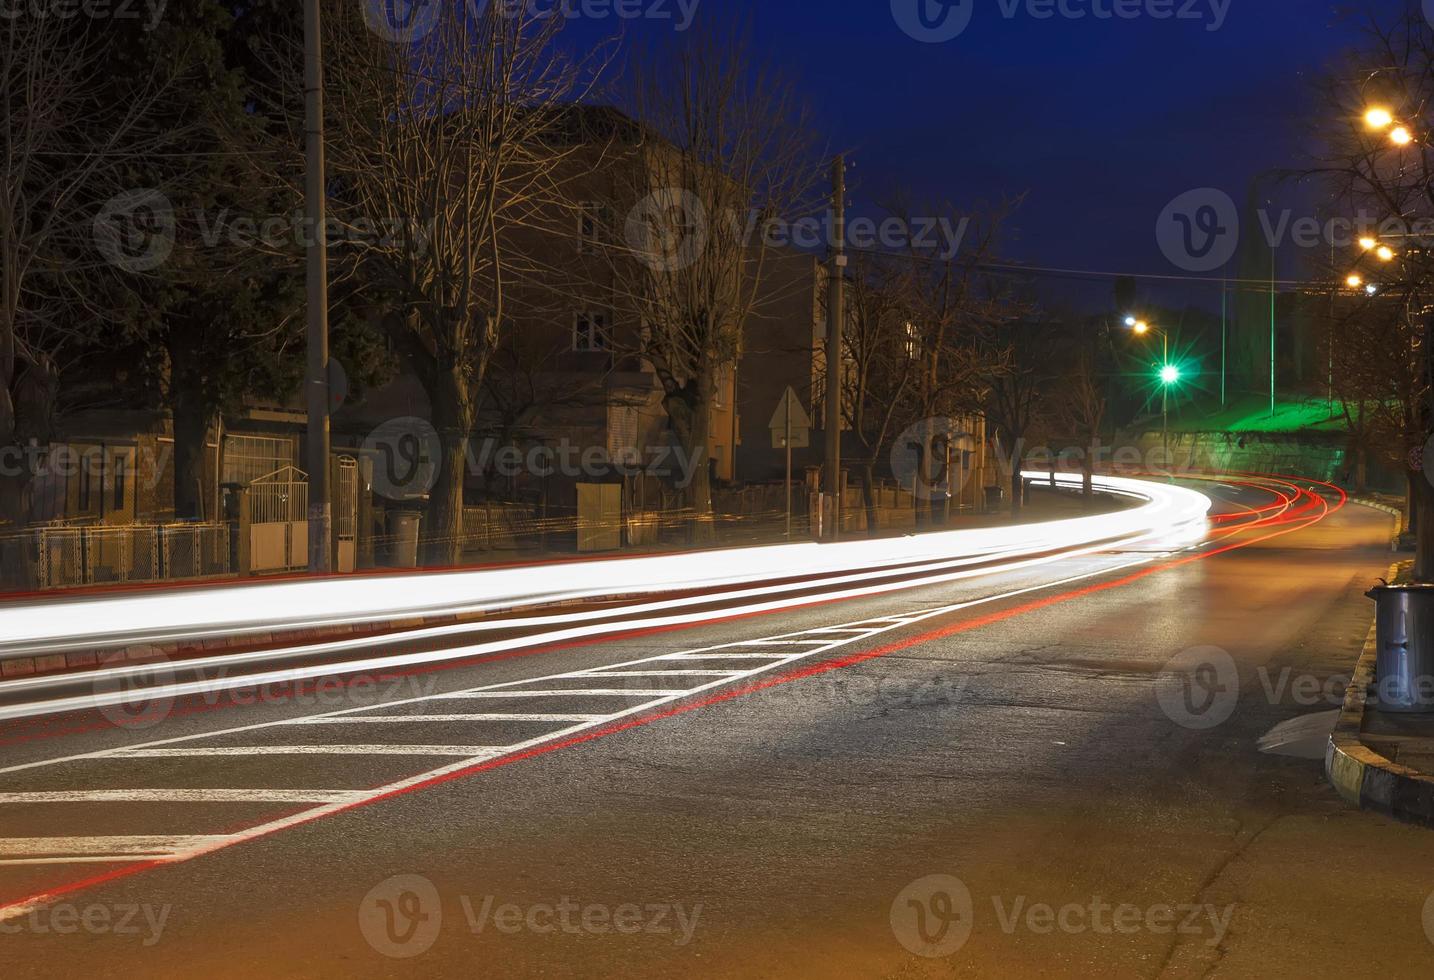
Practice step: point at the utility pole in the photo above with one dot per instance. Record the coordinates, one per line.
(836, 316)
(317, 383)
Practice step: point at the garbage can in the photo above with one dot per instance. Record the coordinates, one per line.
(403, 535)
(1404, 635)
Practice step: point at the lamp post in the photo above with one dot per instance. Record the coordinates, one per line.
(1169, 374)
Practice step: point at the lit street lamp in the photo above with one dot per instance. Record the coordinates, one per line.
(1169, 374)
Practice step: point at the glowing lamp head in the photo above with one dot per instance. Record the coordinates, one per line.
(1378, 118)
(1401, 136)
(1385, 253)
(1169, 374)
(1371, 289)
(1141, 327)
(1354, 282)
(1367, 244)
(1131, 321)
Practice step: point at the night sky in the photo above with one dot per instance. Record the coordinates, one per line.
(1100, 122)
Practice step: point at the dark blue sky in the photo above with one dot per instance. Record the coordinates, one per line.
(1100, 122)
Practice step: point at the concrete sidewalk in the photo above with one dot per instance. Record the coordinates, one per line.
(1381, 760)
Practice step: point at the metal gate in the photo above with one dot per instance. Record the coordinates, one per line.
(278, 521)
(346, 514)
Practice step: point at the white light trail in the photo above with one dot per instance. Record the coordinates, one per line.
(118, 619)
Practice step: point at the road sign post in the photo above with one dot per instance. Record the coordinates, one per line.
(791, 427)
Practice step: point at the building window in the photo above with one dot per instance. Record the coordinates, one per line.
(594, 220)
(590, 332)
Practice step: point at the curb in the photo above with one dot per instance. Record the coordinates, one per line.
(1359, 774)
(1393, 512)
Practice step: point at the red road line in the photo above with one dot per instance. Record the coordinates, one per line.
(635, 633)
(50, 895)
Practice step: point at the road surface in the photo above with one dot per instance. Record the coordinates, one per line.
(1051, 770)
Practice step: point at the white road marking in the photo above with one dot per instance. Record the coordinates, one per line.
(187, 796)
(597, 692)
(599, 672)
(468, 756)
(439, 719)
(466, 751)
(91, 846)
(733, 656)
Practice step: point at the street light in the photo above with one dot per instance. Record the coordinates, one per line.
(1385, 253)
(1354, 282)
(1400, 136)
(1169, 375)
(1378, 118)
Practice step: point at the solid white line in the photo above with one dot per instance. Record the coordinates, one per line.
(729, 656)
(600, 672)
(75, 859)
(778, 643)
(187, 796)
(464, 751)
(61, 846)
(438, 719)
(580, 692)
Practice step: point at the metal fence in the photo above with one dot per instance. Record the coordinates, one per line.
(194, 550)
(63, 556)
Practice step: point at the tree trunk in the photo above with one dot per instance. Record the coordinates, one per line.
(191, 426)
(691, 419)
(1088, 473)
(1016, 501)
(1422, 520)
(868, 493)
(443, 523)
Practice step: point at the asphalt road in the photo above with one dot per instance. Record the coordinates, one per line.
(1003, 771)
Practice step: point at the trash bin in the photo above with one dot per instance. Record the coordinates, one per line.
(1404, 636)
(403, 535)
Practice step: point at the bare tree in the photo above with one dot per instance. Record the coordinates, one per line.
(727, 154)
(1386, 341)
(882, 358)
(956, 309)
(69, 137)
(444, 145)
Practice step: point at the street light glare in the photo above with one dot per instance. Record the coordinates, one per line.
(1141, 327)
(1371, 289)
(1131, 321)
(1169, 374)
(1401, 136)
(1367, 244)
(1354, 282)
(1385, 253)
(1378, 118)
